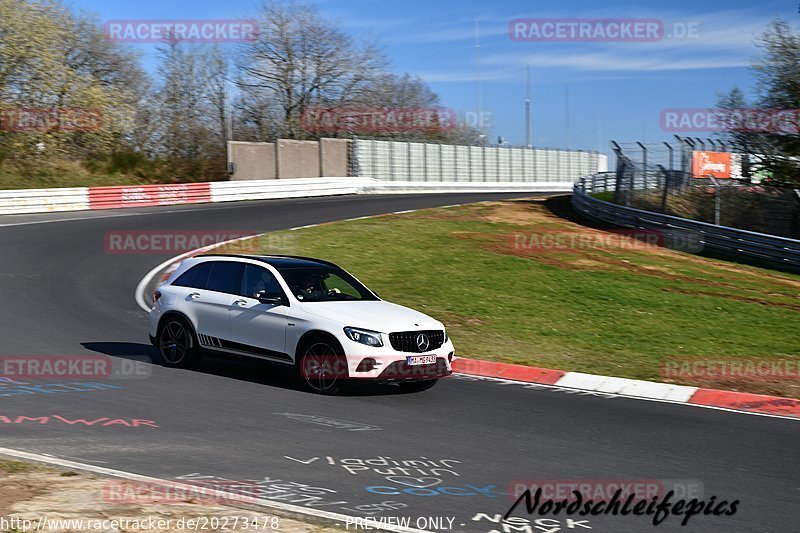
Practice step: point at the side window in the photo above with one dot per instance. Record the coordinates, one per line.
(258, 279)
(196, 277)
(226, 276)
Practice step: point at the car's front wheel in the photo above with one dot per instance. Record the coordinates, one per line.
(323, 366)
(177, 343)
(418, 386)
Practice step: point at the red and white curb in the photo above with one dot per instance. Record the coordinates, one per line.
(633, 388)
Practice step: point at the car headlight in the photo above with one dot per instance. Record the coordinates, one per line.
(364, 336)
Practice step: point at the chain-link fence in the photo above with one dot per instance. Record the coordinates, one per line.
(413, 161)
(658, 178)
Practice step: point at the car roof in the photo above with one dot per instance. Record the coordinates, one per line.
(279, 261)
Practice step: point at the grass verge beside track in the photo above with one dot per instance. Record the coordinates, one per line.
(600, 305)
(34, 497)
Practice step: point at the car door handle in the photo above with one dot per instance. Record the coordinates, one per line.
(240, 303)
(194, 296)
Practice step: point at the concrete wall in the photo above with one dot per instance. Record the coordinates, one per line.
(295, 159)
(253, 161)
(298, 159)
(335, 157)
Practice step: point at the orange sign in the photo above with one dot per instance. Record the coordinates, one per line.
(717, 164)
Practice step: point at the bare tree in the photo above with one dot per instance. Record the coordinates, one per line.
(771, 135)
(300, 59)
(191, 106)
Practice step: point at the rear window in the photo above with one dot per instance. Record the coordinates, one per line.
(225, 277)
(196, 277)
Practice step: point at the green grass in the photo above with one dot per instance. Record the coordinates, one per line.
(617, 311)
(15, 467)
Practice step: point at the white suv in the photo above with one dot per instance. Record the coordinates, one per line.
(296, 311)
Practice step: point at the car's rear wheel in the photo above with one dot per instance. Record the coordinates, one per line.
(177, 343)
(323, 366)
(418, 386)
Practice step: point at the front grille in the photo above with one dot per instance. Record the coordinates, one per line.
(406, 341)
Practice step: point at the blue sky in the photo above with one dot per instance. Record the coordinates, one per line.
(616, 90)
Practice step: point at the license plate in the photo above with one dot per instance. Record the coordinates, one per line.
(413, 360)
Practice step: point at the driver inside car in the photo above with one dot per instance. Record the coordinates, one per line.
(310, 289)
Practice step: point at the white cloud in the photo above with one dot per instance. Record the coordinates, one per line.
(723, 40)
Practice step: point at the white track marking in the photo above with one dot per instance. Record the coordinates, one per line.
(326, 516)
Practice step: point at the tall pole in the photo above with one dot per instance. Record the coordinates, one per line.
(566, 116)
(228, 112)
(528, 141)
(478, 73)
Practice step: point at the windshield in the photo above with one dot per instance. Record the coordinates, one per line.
(324, 284)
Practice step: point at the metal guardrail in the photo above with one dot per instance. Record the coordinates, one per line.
(779, 251)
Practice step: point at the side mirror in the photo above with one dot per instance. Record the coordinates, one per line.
(270, 298)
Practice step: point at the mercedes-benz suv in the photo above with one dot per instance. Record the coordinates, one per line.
(297, 311)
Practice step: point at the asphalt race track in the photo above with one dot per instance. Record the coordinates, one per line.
(471, 439)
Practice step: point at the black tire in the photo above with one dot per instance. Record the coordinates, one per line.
(177, 343)
(418, 386)
(322, 366)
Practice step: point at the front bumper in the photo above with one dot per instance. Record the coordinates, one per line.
(387, 365)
